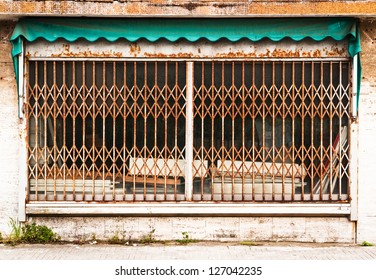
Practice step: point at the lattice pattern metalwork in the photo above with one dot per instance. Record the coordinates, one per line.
(117, 130)
(106, 130)
(272, 130)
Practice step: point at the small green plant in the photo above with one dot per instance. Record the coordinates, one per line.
(29, 233)
(365, 243)
(148, 238)
(115, 239)
(186, 238)
(247, 243)
(16, 231)
(33, 233)
(93, 237)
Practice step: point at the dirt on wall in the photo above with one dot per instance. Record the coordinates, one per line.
(368, 54)
(187, 8)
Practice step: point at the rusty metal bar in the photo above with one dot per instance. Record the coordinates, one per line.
(114, 90)
(93, 129)
(124, 146)
(145, 113)
(212, 109)
(202, 97)
(283, 125)
(293, 117)
(339, 128)
(165, 154)
(75, 113)
(176, 123)
(244, 113)
(64, 96)
(303, 114)
(44, 115)
(156, 97)
(84, 99)
(103, 101)
(253, 128)
(174, 59)
(264, 145)
(331, 132)
(312, 146)
(273, 123)
(54, 116)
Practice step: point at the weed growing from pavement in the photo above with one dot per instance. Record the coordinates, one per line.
(29, 233)
(116, 239)
(16, 232)
(247, 243)
(148, 238)
(33, 233)
(365, 243)
(186, 238)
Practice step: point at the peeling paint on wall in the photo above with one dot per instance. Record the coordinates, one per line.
(187, 8)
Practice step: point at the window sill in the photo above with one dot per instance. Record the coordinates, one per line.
(189, 209)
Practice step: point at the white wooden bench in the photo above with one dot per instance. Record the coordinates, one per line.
(162, 171)
(78, 186)
(245, 177)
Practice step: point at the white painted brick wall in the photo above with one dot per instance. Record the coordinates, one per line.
(8, 132)
(367, 164)
(9, 138)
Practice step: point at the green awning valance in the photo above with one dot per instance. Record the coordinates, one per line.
(153, 29)
(192, 30)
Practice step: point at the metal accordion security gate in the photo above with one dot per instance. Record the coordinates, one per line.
(202, 130)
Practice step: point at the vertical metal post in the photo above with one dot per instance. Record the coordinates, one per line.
(23, 183)
(354, 138)
(354, 130)
(354, 112)
(189, 133)
(353, 193)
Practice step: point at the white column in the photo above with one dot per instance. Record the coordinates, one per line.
(354, 112)
(189, 133)
(354, 132)
(23, 178)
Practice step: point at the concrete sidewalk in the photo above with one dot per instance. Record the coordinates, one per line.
(193, 251)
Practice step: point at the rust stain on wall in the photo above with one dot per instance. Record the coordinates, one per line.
(368, 54)
(190, 6)
(134, 49)
(174, 55)
(86, 53)
(275, 53)
(335, 51)
(181, 8)
(313, 8)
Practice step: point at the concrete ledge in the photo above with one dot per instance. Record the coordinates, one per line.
(14, 9)
(188, 209)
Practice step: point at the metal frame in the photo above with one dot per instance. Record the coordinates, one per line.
(51, 105)
(67, 207)
(23, 158)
